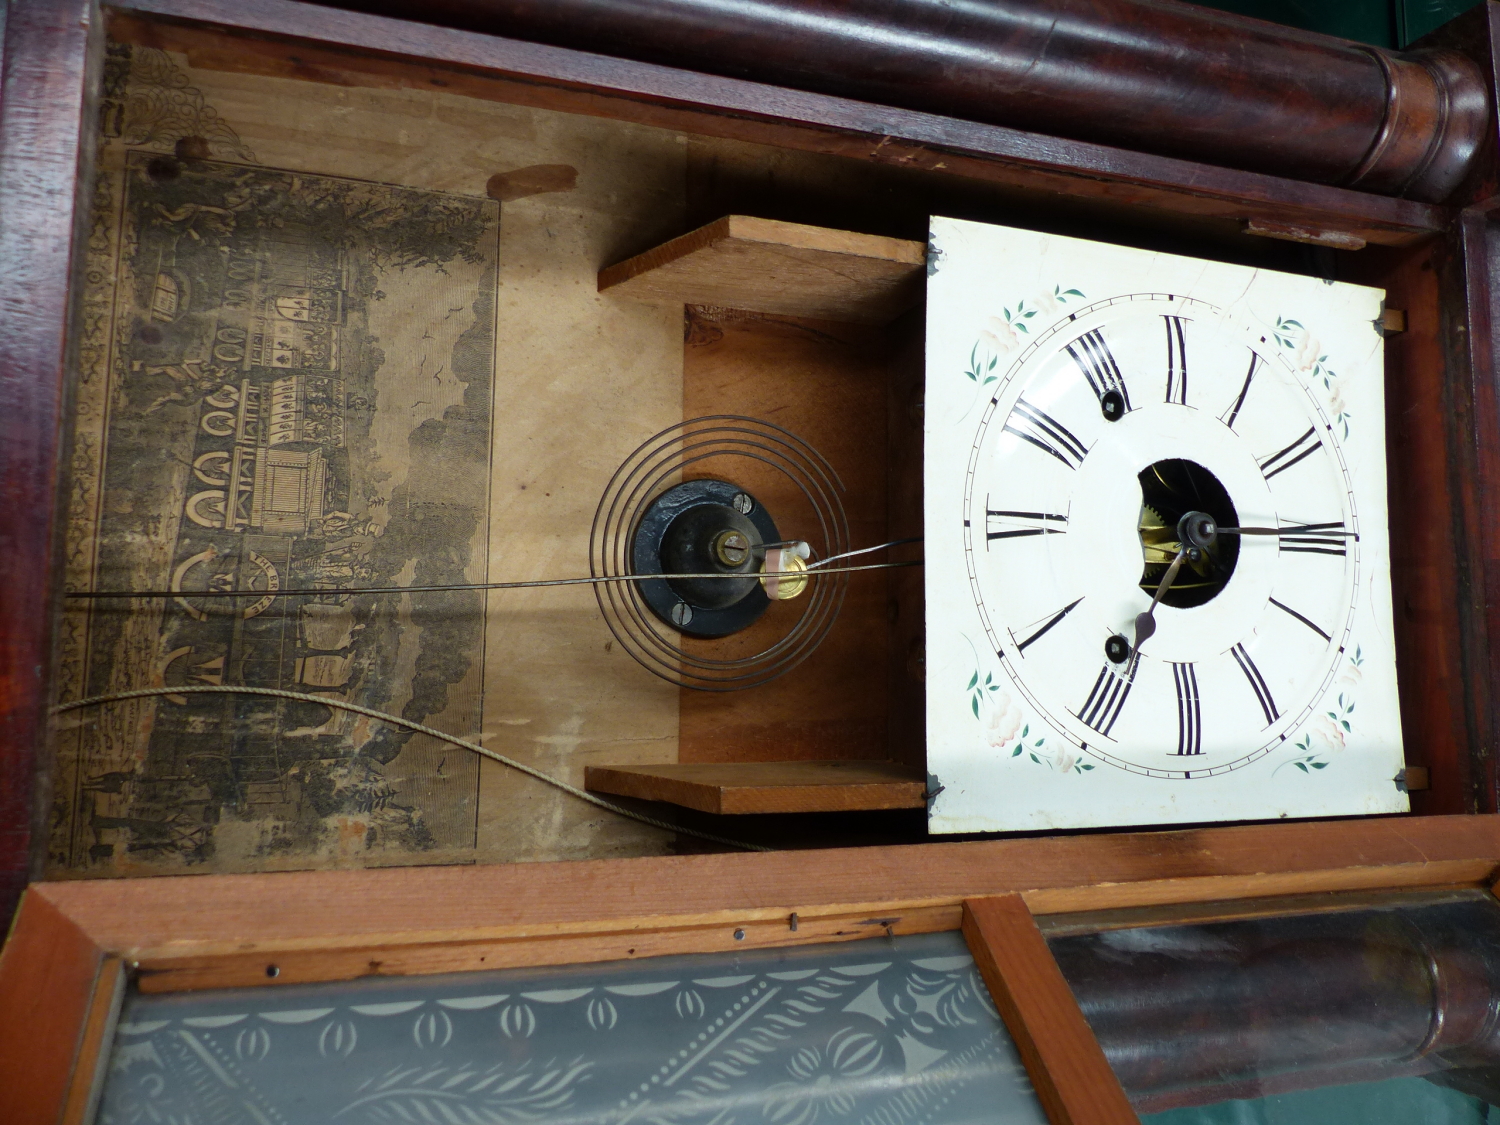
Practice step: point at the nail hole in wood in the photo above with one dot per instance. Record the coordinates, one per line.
(273, 971)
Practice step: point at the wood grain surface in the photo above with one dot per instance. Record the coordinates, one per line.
(1068, 1069)
(95, 1043)
(332, 46)
(222, 929)
(767, 787)
(1444, 503)
(825, 383)
(1187, 82)
(47, 71)
(48, 973)
(1425, 384)
(187, 932)
(1471, 310)
(742, 262)
(1204, 913)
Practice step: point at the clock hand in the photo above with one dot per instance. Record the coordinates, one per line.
(1145, 623)
(1199, 529)
(1324, 530)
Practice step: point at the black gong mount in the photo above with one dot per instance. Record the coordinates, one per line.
(651, 521)
(704, 527)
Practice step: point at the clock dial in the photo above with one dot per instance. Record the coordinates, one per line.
(1155, 547)
(1108, 429)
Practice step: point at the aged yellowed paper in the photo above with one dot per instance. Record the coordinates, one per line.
(313, 358)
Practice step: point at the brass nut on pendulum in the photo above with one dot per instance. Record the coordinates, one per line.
(783, 574)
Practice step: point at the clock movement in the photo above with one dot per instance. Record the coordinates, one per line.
(1158, 584)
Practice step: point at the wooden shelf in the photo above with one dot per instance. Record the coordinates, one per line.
(766, 787)
(765, 266)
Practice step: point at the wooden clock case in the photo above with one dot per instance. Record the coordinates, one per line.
(817, 159)
(846, 379)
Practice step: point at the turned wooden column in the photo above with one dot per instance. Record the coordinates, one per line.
(1192, 1015)
(1153, 75)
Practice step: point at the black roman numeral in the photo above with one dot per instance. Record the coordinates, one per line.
(1091, 354)
(1279, 462)
(1046, 625)
(1257, 683)
(1107, 699)
(1046, 433)
(1189, 712)
(1303, 538)
(1177, 370)
(1001, 524)
(1299, 617)
(1234, 411)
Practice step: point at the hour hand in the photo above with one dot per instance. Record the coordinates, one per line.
(1145, 623)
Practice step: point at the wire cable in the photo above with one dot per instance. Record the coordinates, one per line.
(337, 590)
(421, 728)
(864, 551)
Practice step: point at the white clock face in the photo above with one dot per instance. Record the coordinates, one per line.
(1109, 426)
(1081, 399)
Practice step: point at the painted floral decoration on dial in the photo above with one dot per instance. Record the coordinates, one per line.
(1156, 549)
(1143, 434)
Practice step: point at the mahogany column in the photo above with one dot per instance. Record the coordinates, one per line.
(43, 112)
(1152, 75)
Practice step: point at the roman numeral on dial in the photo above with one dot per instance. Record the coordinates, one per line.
(1189, 712)
(1257, 683)
(1177, 371)
(1299, 617)
(1303, 538)
(1304, 447)
(1002, 524)
(1107, 699)
(1233, 412)
(1046, 433)
(1091, 354)
(1041, 627)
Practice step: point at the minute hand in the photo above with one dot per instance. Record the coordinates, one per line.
(1325, 530)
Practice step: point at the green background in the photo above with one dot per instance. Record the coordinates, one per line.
(1385, 23)
(1396, 1101)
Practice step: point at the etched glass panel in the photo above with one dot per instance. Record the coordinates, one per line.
(872, 1033)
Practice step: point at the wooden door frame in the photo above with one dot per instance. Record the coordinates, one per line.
(72, 943)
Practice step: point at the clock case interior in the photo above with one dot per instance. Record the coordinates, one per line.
(590, 364)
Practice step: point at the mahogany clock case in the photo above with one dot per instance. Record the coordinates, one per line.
(451, 181)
